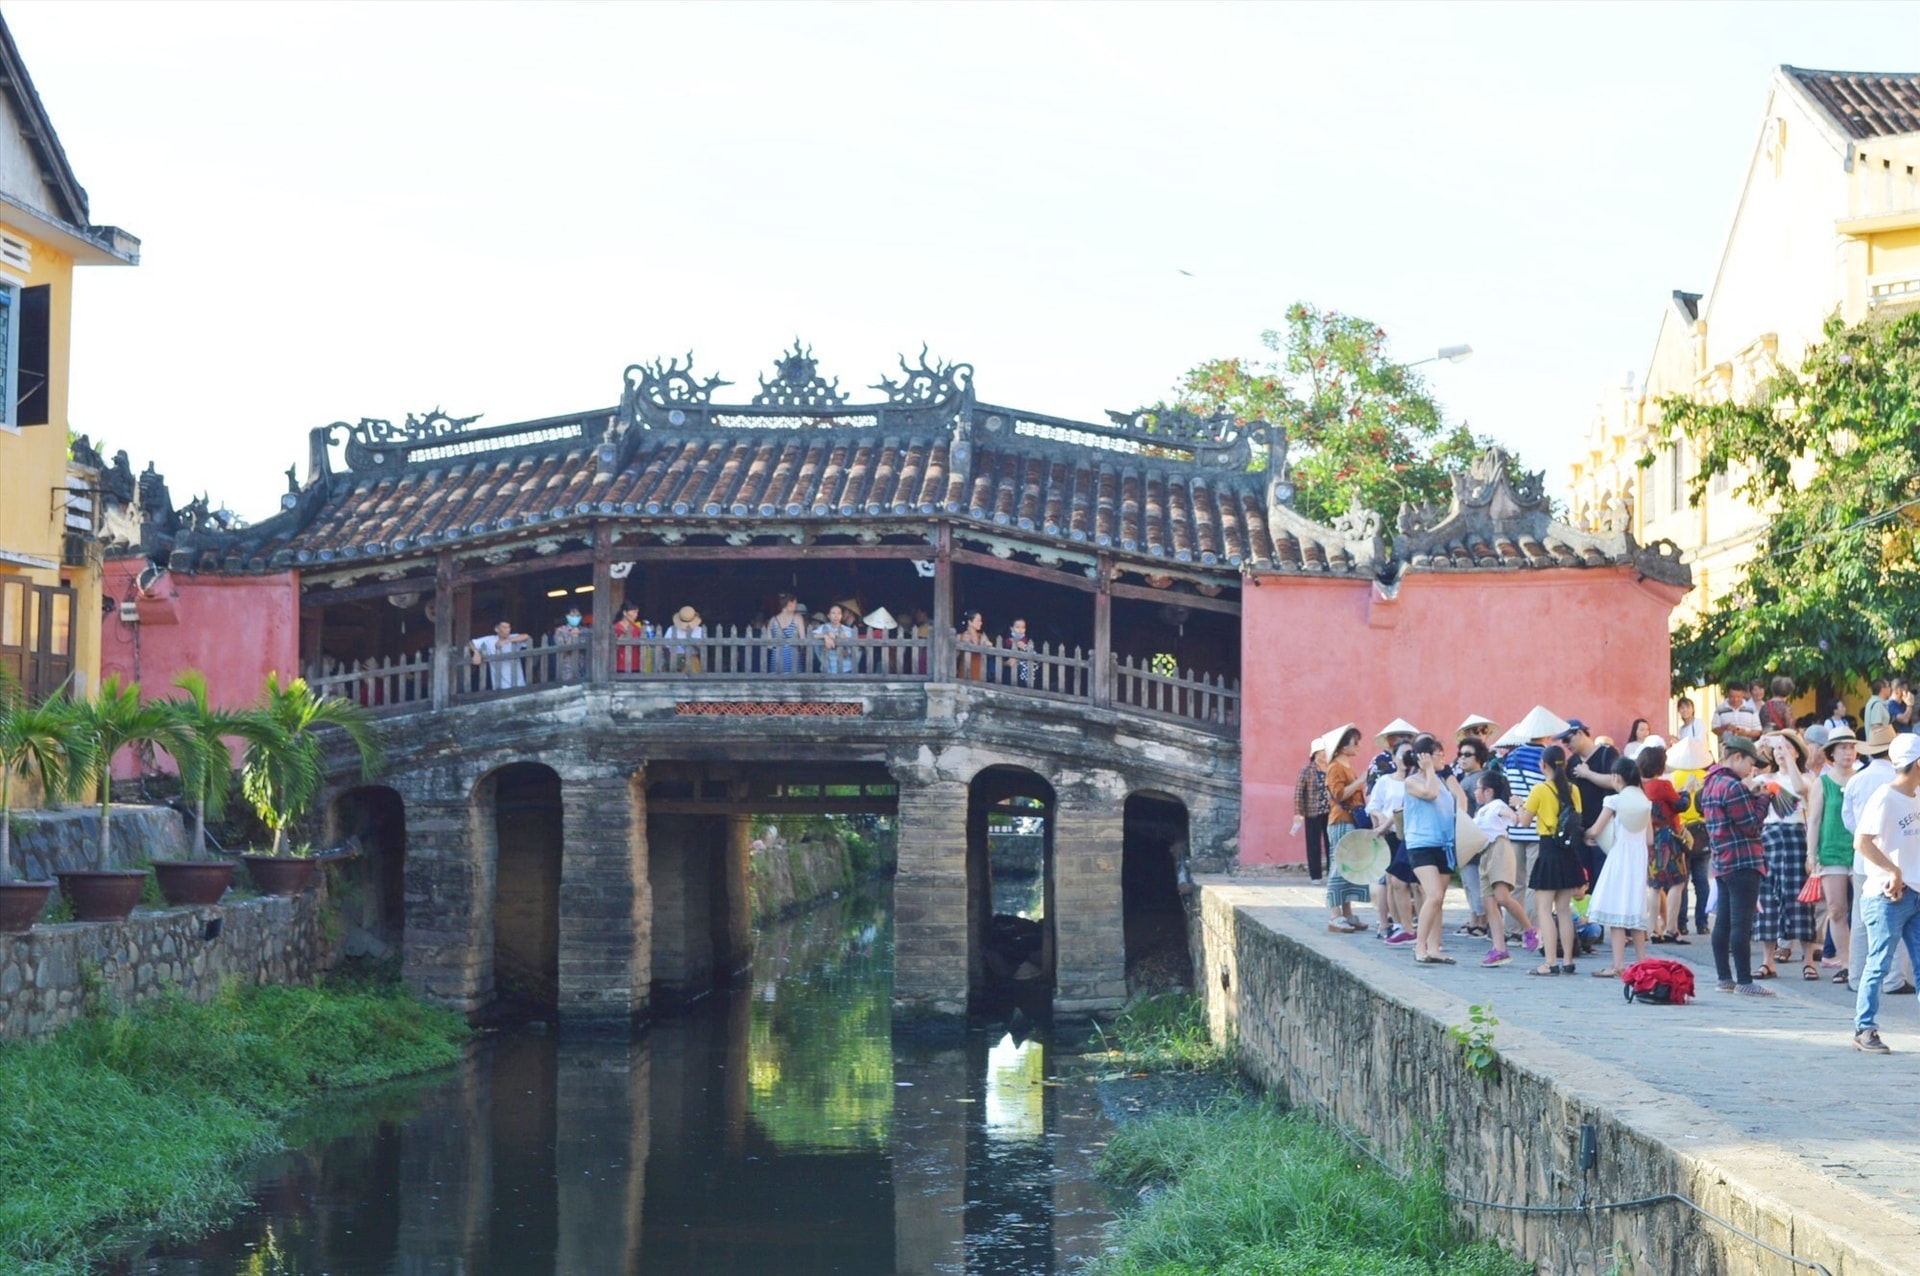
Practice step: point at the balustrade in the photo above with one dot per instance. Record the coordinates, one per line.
(725, 653)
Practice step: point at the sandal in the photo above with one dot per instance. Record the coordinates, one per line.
(1544, 970)
(1680, 938)
(1839, 977)
(1657, 938)
(1766, 972)
(1808, 973)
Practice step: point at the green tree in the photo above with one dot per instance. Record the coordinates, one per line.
(1358, 422)
(37, 741)
(285, 765)
(115, 719)
(1832, 450)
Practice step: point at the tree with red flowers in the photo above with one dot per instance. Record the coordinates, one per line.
(1358, 422)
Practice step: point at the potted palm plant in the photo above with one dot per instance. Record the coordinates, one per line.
(206, 775)
(37, 742)
(285, 768)
(114, 719)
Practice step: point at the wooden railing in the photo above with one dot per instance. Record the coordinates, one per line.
(384, 682)
(1054, 671)
(1211, 701)
(1042, 669)
(728, 652)
(543, 662)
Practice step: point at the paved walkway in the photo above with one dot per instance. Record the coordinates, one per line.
(1770, 1087)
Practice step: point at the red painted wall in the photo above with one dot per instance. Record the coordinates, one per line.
(233, 629)
(1589, 643)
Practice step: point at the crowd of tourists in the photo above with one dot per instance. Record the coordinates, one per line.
(1787, 851)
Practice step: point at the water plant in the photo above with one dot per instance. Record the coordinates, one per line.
(1167, 1033)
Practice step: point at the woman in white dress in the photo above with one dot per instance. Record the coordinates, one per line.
(1620, 895)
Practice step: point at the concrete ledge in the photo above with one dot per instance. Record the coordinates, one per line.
(52, 975)
(1339, 1024)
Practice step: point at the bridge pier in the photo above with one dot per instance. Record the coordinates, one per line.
(606, 903)
(932, 947)
(1090, 970)
(448, 953)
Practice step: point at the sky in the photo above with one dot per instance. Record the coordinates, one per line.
(357, 210)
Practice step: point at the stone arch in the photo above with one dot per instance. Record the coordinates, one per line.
(1154, 842)
(1012, 944)
(519, 834)
(371, 892)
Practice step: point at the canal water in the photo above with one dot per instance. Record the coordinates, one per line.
(781, 1128)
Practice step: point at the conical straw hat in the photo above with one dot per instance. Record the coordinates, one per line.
(1361, 856)
(1688, 755)
(1399, 726)
(1473, 723)
(1539, 723)
(880, 618)
(1332, 738)
(1469, 839)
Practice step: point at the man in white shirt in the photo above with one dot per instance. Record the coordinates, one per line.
(1868, 780)
(1736, 716)
(1888, 839)
(495, 651)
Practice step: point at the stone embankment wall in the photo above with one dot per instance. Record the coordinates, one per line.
(789, 875)
(52, 975)
(45, 842)
(1379, 1063)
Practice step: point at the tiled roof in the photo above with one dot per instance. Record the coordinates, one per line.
(1132, 504)
(1864, 103)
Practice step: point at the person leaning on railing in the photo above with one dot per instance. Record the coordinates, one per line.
(683, 637)
(836, 641)
(498, 652)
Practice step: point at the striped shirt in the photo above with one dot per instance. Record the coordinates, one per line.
(1522, 769)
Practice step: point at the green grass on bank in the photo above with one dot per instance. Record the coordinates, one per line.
(1167, 1033)
(148, 1119)
(1246, 1189)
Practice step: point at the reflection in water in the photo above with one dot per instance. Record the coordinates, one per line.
(776, 1130)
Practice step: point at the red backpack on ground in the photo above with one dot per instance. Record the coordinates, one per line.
(1658, 982)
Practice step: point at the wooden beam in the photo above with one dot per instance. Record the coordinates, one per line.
(525, 567)
(942, 649)
(1051, 575)
(312, 598)
(604, 609)
(1103, 632)
(442, 629)
(733, 553)
(1199, 602)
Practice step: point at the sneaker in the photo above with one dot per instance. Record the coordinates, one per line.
(1754, 990)
(1339, 926)
(1531, 941)
(1496, 957)
(1868, 1040)
(1725, 985)
(1401, 937)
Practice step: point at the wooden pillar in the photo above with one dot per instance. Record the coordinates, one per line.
(605, 610)
(443, 629)
(942, 650)
(1103, 632)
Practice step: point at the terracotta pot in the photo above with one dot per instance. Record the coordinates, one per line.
(21, 904)
(193, 882)
(102, 895)
(280, 875)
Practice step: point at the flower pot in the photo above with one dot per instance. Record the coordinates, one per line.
(193, 882)
(280, 875)
(102, 895)
(21, 904)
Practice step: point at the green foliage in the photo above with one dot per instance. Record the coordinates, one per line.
(1359, 425)
(1167, 1033)
(115, 718)
(285, 765)
(147, 1119)
(1249, 1189)
(1832, 450)
(41, 742)
(206, 767)
(1475, 1038)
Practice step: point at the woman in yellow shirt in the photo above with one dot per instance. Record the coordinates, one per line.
(1557, 876)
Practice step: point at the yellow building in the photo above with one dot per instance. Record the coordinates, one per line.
(49, 553)
(1827, 221)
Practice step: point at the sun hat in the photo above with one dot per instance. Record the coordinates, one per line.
(1879, 736)
(1688, 755)
(1474, 723)
(1361, 855)
(1540, 723)
(1332, 738)
(1399, 726)
(686, 616)
(879, 618)
(1654, 742)
(1904, 751)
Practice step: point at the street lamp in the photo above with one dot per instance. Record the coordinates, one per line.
(1452, 354)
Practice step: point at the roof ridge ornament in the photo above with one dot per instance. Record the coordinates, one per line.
(665, 385)
(797, 382)
(370, 438)
(929, 385)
